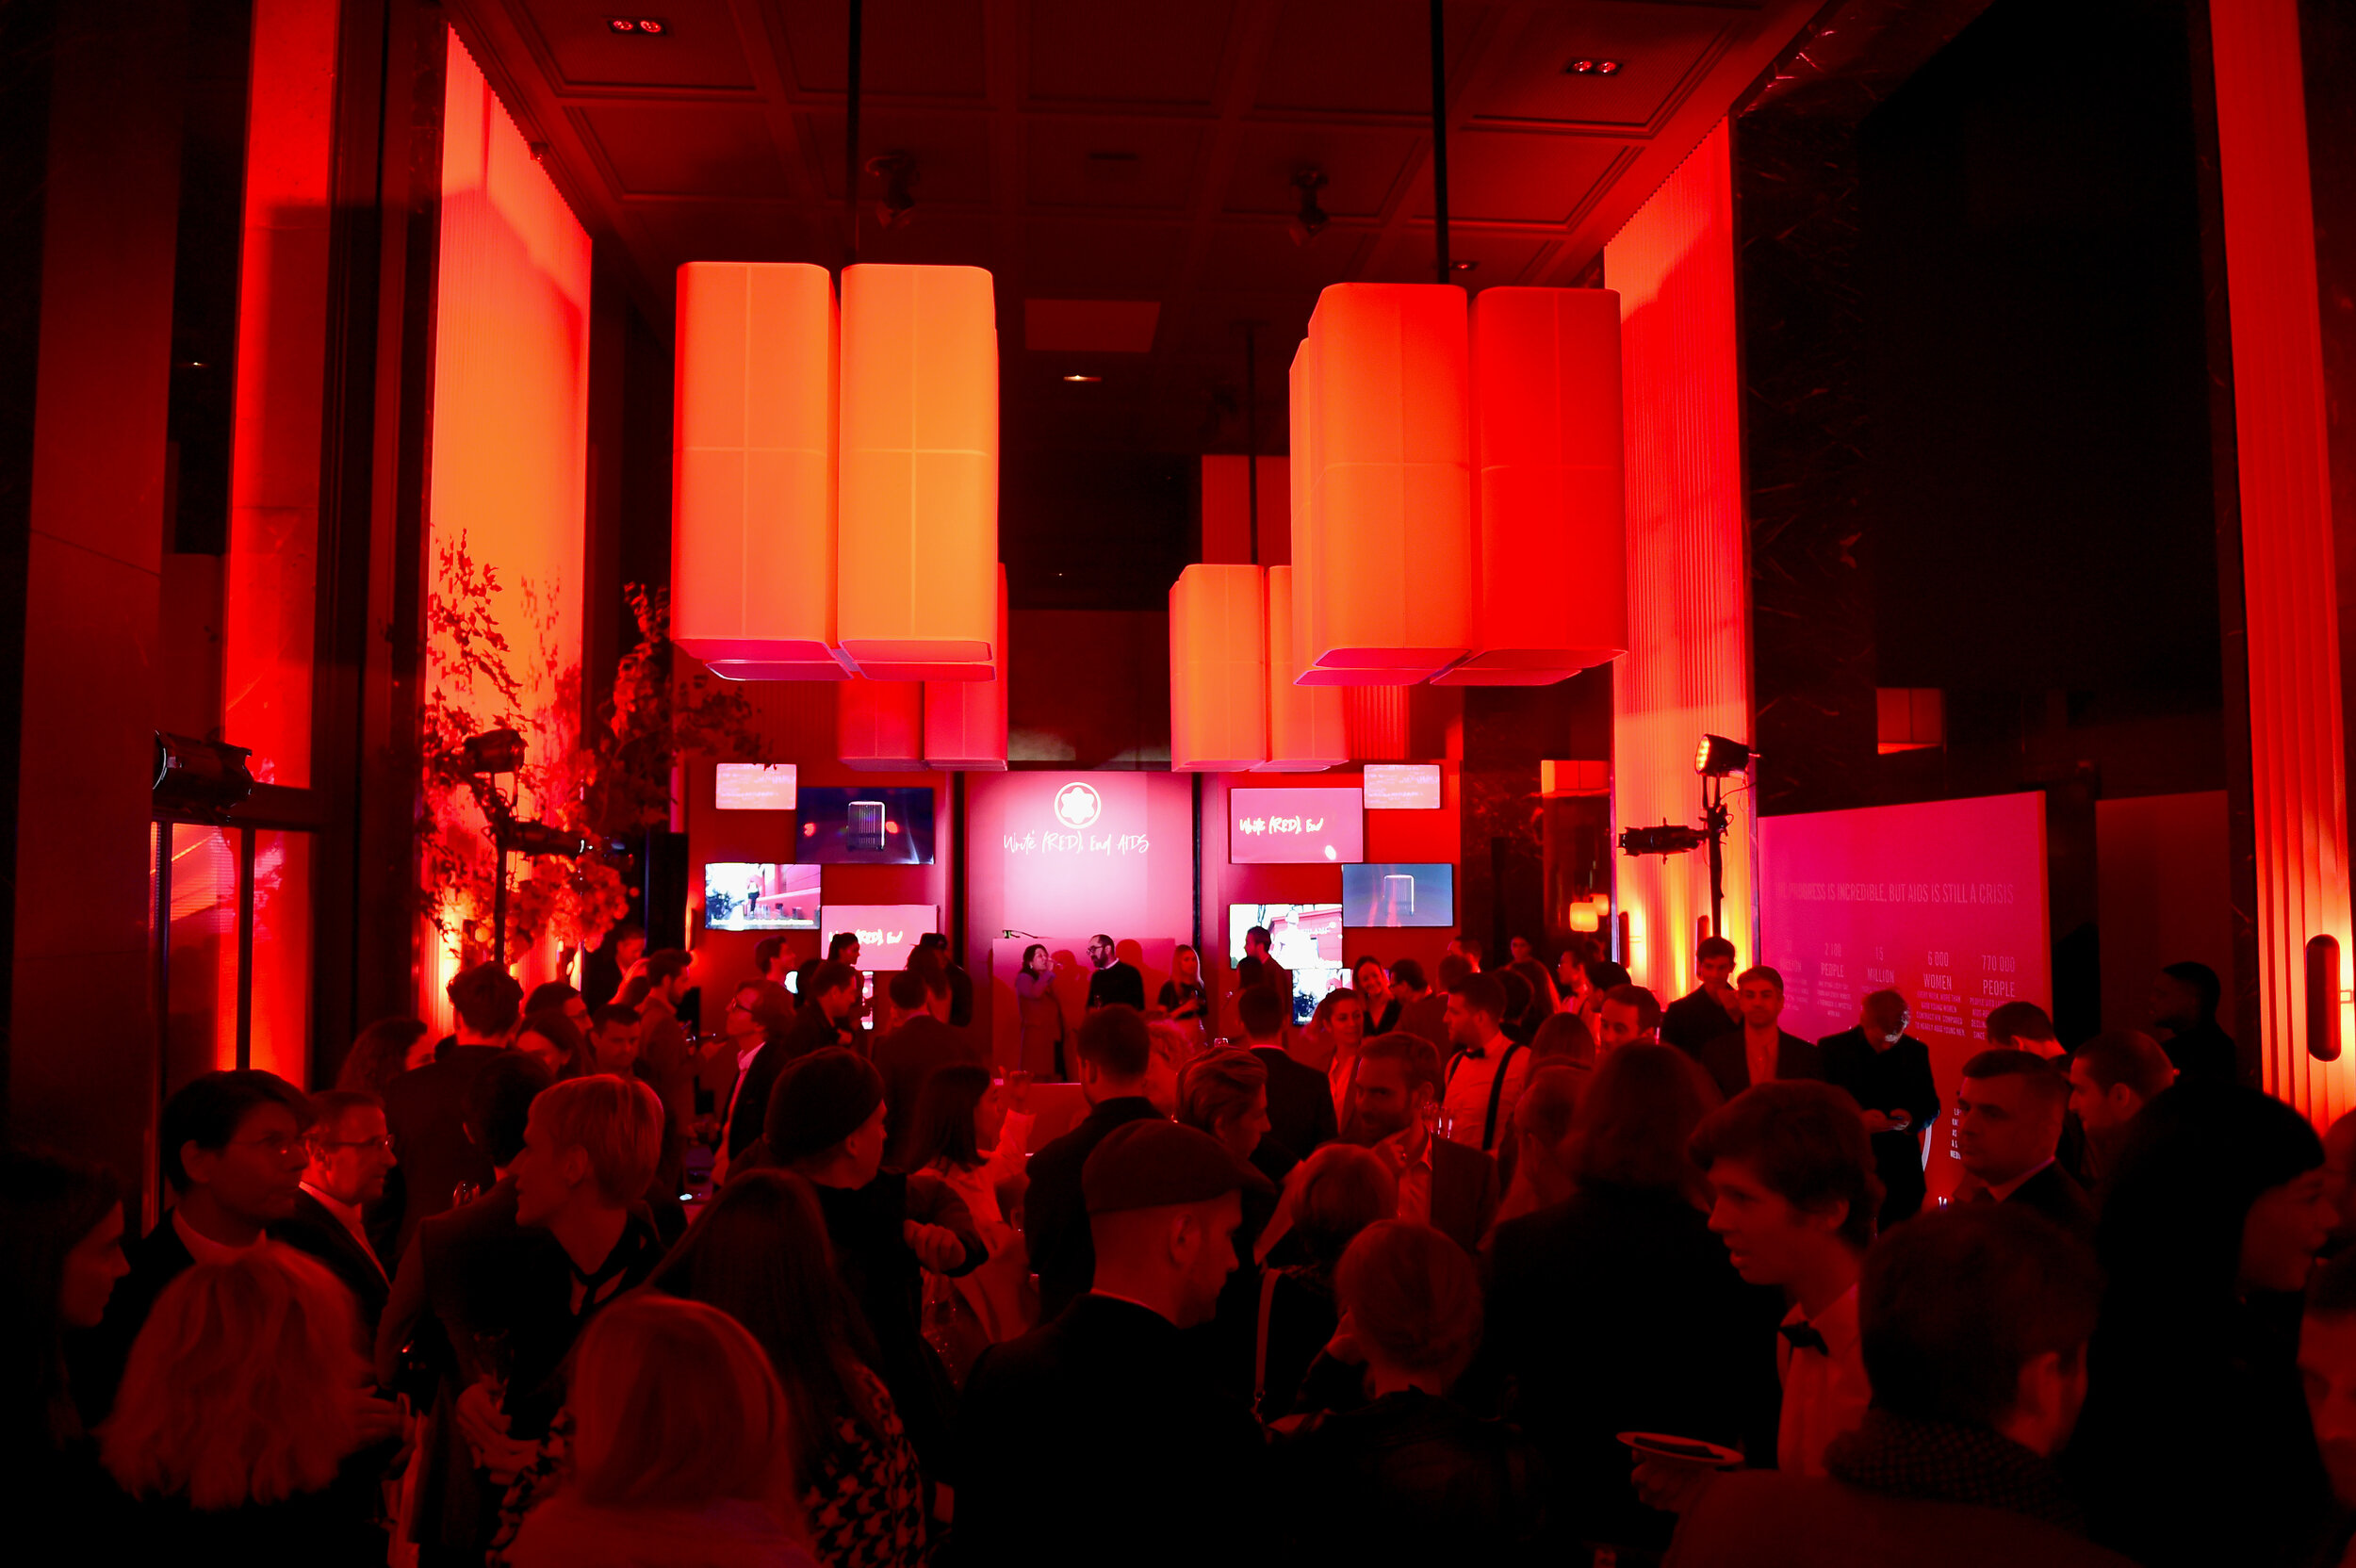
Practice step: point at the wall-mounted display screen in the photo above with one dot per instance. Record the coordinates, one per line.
(886, 932)
(1306, 939)
(746, 896)
(1388, 893)
(864, 826)
(1403, 787)
(1294, 827)
(754, 786)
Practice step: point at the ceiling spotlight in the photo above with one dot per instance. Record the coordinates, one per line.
(1591, 66)
(1311, 220)
(1086, 380)
(652, 26)
(1463, 266)
(1668, 839)
(1720, 758)
(898, 172)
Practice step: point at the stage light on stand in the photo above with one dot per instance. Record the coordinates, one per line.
(1668, 839)
(1718, 758)
(199, 780)
(495, 751)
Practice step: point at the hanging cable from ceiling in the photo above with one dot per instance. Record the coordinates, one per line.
(1439, 134)
(850, 136)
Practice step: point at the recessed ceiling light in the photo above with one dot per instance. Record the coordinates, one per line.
(652, 26)
(1591, 66)
(1463, 266)
(1087, 379)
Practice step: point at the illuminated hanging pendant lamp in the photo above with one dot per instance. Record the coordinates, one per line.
(1305, 728)
(965, 721)
(1218, 670)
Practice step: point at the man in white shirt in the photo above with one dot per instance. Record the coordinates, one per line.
(350, 1154)
(1485, 1075)
(1795, 1201)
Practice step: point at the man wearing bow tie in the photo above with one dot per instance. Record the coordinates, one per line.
(1795, 1201)
(1485, 1077)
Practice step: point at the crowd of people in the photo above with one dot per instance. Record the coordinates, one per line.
(1510, 1265)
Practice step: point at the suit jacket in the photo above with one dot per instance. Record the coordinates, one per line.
(95, 1358)
(1463, 1192)
(1055, 1215)
(2055, 1194)
(421, 1111)
(1692, 1021)
(1116, 983)
(1676, 1343)
(1728, 1063)
(1766, 1519)
(2204, 1053)
(1897, 1079)
(960, 996)
(1300, 1102)
(1150, 1462)
(667, 1063)
(907, 1057)
(751, 1102)
(319, 1234)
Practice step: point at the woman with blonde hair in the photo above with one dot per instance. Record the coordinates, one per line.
(682, 1449)
(243, 1425)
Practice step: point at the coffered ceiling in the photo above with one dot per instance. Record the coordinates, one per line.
(1140, 150)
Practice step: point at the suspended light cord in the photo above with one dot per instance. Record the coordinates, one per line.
(1252, 433)
(1439, 133)
(850, 137)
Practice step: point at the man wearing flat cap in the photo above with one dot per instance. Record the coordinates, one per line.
(1147, 1461)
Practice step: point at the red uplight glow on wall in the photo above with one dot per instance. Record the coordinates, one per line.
(511, 404)
(916, 573)
(1687, 672)
(752, 471)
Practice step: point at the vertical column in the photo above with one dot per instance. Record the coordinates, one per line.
(82, 1067)
(2298, 794)
(1687, 668)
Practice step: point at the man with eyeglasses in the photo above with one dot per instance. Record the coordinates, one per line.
(349, 1156)
(231, 1144)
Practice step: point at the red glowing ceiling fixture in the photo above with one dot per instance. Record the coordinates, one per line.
(753, 523)
(1546, 407)
(648, 26)
(879, 725)
(1381, 458)
(1219, 669)
(1590, 66)
(1307, 730)
(916, 575)
(965, 721)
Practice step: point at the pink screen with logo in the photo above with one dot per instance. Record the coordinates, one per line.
(1292, 827)
(886, 932)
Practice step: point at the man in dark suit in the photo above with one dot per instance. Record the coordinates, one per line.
(911, 1052)
(2183, 1002)
(230, 1145)
(1447, 1186)
(349, 1156)
(1974, 1327)
(1888, 1072)
(1152, 1463)
(2008, 1125)
(1422, 1011)
(1115, 984)
(423, 1107)
(759, 1020)
(1300, 1097)
(1758, 1052)
(1704, 1013)
(1115, 1053)
(667, 1055)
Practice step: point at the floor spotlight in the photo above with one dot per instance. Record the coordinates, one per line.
(495, 751)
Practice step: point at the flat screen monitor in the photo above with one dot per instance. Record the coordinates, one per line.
(1388, 893)
(886, 932)
(1306, 938)
(755, 786)
(740, 895)
(1402, 786)
(864, 826)
(1320, 826)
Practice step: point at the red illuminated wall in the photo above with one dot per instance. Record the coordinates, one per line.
(511, 386)
(1688, 667)
(2298, 794)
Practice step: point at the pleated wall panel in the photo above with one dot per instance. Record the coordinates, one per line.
(1219, 669)
(917, 571)
(753, 477)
